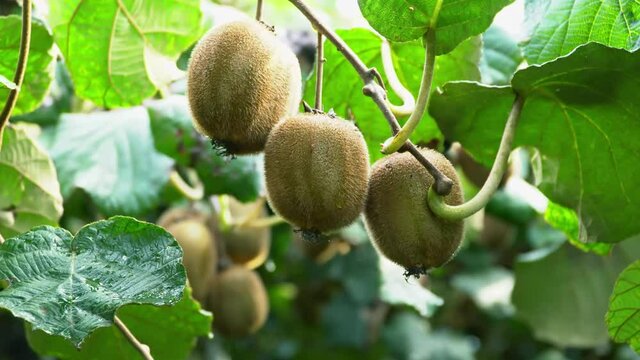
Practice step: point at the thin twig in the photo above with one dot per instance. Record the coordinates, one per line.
(23, 56)
(142, 348)
(319, 71)
(374, 90)
(259, 10)
(395, 143)
(500, 164)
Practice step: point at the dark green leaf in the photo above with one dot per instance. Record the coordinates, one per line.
(39, 64)
(501, 57)
(120, 52)
(567, 221)
(405, 20)
(580, 118)
(70, 286)
(567, 308)
(343, 87)
(29, 190)
(111, 156)
(152, 325)
(559, 26)
(623, 317)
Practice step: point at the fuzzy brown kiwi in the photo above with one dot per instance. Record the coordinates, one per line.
(316, 171)
(238, 301)
(241, 81)
(245, 245)
(398, 218)
(198, 246)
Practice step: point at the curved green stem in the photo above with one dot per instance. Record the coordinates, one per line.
(23, 57)
(459, 212)
(408, 102)
(193, 193)
(394, 143)
(265, 222)
(319, 70)
(143, 349)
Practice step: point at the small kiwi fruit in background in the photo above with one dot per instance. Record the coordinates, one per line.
(399, 219)
(239, 302)
(316, 171)
(241, 81)
(246, 245)
(198, 246)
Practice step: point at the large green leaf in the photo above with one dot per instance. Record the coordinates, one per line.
(623, 317)
(39, 64)
(152, 325)
(581, 113)
(29, 190)
(111, 156)
(120, 52)
(71, 286)
(176, 137)
(559, 26)
(343, 87)
(568, 307)
(501, 57)
(405, 20)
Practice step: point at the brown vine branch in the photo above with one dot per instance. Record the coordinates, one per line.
(373, 88)
(259, 10)
(23, 56)
(142, 348)
(319, 71)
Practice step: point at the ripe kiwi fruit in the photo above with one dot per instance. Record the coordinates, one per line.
(399, 219)
(198, 246)
(241, 81)
(316, 171)
(245, 245)
(238, 301)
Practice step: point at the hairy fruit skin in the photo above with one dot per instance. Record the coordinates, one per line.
(316, 171)
(200, 255)
(239, 302)
(399, 219)
(241, 81)
(247, 246)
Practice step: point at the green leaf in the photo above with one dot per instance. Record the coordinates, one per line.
(397, 290)
(71, 286)
(580, 114)
(152, 325)
(344, 322)
(623, 317)
(568, 307)
(111, 156)
(358, 271)
(490, 289)
(567, 221)
(39, 64)
(559, 26)
(30, 193)
(501, 57)
(175, 136)
(405, 20)
(343, 87)
(120, 52)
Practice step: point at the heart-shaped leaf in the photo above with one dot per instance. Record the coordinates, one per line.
(70, 286)
(623, 317)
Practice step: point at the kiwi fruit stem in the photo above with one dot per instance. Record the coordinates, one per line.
(252, 215)
(192, 193)
(265, 222)
(408, 102)
(394, 143)
(500, 165)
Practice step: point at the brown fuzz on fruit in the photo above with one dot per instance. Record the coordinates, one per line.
(239, 302)
(246, 245)
(316, 171)
(198, 246)
(398, 218)
(241, 81)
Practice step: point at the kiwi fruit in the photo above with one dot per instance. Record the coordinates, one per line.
(238, 301)
(398, 217)
(316, 171)
(241, 81)
(198, 246)
(245, 245)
